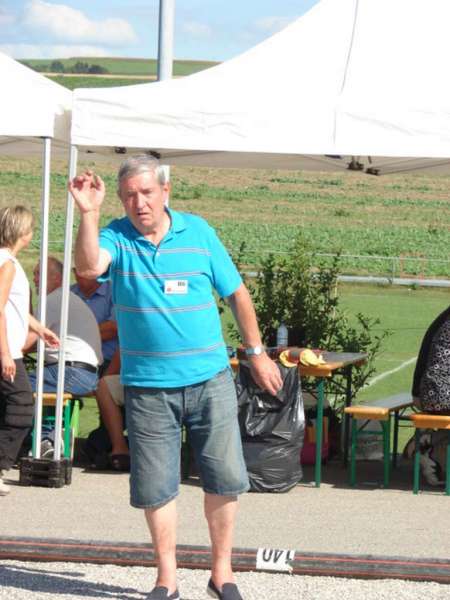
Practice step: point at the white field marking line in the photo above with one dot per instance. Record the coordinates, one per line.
(388, 373)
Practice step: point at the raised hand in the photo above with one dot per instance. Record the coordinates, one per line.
(88, 191)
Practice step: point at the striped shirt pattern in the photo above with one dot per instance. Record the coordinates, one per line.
(169, 340)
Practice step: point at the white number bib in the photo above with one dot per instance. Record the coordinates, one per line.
(176, 286)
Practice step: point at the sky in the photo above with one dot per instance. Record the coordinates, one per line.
(204, 29)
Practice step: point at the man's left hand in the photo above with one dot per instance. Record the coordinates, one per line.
(266, 373)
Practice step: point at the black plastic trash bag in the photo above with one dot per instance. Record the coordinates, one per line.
(272, 430)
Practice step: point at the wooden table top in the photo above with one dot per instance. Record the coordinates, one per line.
(333, 362)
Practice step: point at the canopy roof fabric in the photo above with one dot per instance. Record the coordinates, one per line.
(32, 105)
(349, 78)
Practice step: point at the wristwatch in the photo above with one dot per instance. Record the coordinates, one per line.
(254, 350)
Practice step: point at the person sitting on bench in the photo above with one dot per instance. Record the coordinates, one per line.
(99, 299)
(83, 353)
(431, 392)
(107, 446)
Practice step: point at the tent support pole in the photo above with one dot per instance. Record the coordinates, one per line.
(42, 301)
(64, 304)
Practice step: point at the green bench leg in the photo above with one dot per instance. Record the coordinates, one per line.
(74, 425)
(75, 419)
(71, 425)
(395, 440)
(354, 438)
(66, 415)
(319, 431)
(416, 461)
(386, 426)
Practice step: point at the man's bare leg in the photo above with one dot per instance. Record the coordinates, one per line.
(112, 418)
(220, 512)
(162, 522)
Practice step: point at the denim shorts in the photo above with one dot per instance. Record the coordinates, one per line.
(76, 381)
(155, 418)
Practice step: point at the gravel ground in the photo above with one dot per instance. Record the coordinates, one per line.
(33, 581)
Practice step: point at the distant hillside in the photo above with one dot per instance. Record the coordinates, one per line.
(91, 81)
(121, 66)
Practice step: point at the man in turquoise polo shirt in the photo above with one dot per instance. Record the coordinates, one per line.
(164, 266)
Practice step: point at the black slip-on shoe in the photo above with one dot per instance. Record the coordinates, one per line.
(162, 593)
(229, 591)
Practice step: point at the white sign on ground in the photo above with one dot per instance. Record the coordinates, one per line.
(273, 559)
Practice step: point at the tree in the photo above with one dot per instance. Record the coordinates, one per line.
(80, 67)
(301, 291)
(98, 70)
(56, 66)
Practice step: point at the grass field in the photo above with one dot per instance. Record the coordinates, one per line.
(130, 66)
(84, 81)
(120, 71)
(406, 313)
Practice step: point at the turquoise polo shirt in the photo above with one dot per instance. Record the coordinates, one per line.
(170, 333)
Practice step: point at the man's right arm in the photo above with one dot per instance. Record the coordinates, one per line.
(90, 260)
(88, 191)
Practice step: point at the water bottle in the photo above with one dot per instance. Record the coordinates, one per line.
(282, 335)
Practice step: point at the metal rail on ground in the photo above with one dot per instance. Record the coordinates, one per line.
(243, 559)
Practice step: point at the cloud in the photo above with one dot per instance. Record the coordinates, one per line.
(67, 24)
(196, 29)
(273, 24)
(143, 11)
(6, 18)
(48, 51)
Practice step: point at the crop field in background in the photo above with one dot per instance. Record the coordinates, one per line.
(90, 81)
(351, 213)
(130, 66)
(121, 71)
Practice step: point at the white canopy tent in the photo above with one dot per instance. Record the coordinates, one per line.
(359, 82)
(33, 108)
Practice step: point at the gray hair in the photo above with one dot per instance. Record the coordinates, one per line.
(141, 163)
(55, 264)
(15, 221)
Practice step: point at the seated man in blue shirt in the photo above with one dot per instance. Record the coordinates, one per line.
(164, 267)
(98, 297)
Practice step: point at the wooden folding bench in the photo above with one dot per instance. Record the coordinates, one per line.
(71, 417)
(378, 410)
(428, 421)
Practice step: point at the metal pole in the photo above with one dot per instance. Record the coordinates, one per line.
(165, 49)
(42, 302)
(64, 305)
(165, 40)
